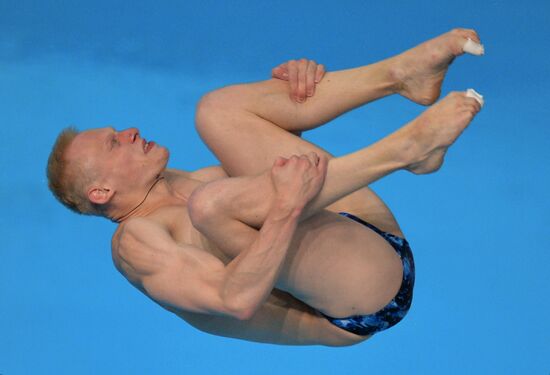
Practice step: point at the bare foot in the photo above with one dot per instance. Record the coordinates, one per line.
(420, 70)
(435, 130)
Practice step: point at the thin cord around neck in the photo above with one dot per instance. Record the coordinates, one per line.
(143, 201)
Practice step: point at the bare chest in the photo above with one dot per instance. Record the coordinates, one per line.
(176, 219)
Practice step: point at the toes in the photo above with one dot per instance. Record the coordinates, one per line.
(471, 93)
(473, 48)
(469, 42)
(472, 34)
(473, 105)
(468, 98)
(464, 99)
(467, 34)
(468, 108)
(468, 112)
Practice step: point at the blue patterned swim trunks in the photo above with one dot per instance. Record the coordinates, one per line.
(398, 307)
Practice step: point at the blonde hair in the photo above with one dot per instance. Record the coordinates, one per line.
(68, 179)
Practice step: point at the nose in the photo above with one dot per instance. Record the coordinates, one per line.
(129, 135)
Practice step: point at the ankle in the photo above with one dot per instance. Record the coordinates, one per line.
(397, 74)
(376, 80)
(407, 144)
(391, 75)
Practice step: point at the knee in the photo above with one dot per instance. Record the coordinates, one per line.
(214, 107)
(206, 110)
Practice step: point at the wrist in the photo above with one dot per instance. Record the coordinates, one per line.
(284, 209)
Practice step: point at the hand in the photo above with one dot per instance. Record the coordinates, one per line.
(302, 76)
(299, 179)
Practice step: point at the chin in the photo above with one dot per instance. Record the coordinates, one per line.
(163, 159)
(166, 155)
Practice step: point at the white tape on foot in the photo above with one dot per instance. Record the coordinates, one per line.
(474, 48)
(477, 96)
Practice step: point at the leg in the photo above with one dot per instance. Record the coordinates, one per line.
(239, 123)
(248, 126)
(261, 142)
(419, 146)
(247, 144)
(226, 210)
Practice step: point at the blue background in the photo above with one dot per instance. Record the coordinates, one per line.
(479, 227)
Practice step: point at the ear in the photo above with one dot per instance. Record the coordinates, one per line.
(100, 195)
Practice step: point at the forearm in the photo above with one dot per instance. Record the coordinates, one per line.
(252, 274)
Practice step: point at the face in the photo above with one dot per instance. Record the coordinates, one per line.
(123, 160)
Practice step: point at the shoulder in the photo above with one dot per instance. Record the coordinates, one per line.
(136, 230)
(140, 247)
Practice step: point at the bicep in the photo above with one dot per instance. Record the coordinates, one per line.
(188, 284)
(175, 275)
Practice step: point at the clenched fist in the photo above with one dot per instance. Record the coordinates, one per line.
(299, 179)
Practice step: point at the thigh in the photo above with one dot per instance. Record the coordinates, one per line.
(251, 146)
(361, 272)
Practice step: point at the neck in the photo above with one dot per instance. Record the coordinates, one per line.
(129, 213)
(159, 194)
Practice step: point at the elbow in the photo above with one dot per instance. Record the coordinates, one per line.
(240, 310)
(245, 314)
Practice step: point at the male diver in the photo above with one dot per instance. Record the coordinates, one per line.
(283, 243)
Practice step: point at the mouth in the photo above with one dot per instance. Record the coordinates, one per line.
(147, 146)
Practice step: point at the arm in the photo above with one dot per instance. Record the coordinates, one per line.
(253, 273)
(282, 319)
(250, 277)
(162, 272)
(190, 279)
